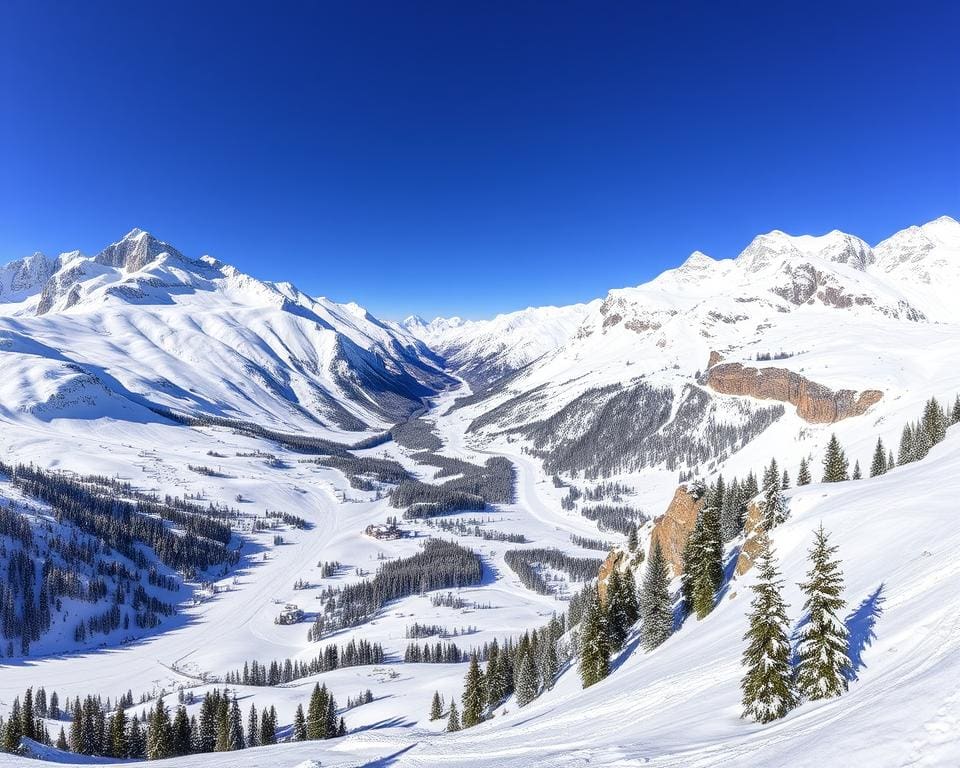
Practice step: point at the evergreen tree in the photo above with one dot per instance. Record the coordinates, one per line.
(236, 725)
(527, 685)
(835, 462)
(906, 445)
(12, 733)
(618, 622)
(656, 611)
(922, 442)
(785, 480)
(27, 722)
(594, 647)
(62, 744)
(823, 666)
(316, 712)
(253, 727)
(268, 726)
(181, 732)
(955, 413)
(857, 474)
(767, 684)
(453, 722)
(803, 475)
(473, 694)
(136, 744)
(934, 421)
(76, 726)
(703, 562)
(118, 733)
(223, 725)
(436, 706)
(879, 464)
(494, 681)
(732, 512)
(299, 725)
(774, 505)
(891, 460)
(632, 541)
(159, 733)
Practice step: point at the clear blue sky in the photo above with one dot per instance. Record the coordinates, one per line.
(470, 158)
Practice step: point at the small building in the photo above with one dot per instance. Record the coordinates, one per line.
(290, 614)
(384, 531)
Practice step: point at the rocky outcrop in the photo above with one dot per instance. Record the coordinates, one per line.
(815, 403)
(618, 559)
(751, 544)
(673, 527)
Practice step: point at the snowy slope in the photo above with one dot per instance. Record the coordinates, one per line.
(142, 325)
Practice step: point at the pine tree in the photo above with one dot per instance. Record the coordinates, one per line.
(618, 621)
(632, 541)
(934, 421)
(527, 687)
(857, 474)
(955, 414)
(767, 684)
(181, 732)
(879, 464)
(706, 576)
(922, 442)
(223, 725)
(774, 505)
(803, 475)
(656, 611)
(136, 745)
(906, 446)
(594, 647)
(436, 706)
(299, 725)
(493, 679)
(732, 512)
(823, 666)
(236, 725)
(268, 726)
(253, 727)
(785, 480)
(891, 460)
(62, 744)
(473, 698)
(316, 712)
(159, 733)
(453, 722)
(835, 462)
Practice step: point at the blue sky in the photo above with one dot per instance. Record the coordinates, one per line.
(471, 158)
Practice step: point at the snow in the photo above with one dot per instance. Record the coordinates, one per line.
(74, 396)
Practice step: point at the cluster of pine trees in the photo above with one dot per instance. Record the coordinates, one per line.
(440, 564)
(438, 653)
(525, 667)
(356, 653)
(773, 683)
(474, 527)
(97, 729)
(527, 564)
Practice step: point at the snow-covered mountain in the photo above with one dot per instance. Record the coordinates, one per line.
(482, 351)
(140, 325)
(819, 304)
(168, 551)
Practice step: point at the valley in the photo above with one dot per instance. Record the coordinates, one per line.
(299, 423)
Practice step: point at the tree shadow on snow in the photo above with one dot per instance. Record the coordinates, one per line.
(860, 624)
(383, 762)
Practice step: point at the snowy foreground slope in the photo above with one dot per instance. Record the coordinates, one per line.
(679, 705)
(93, 347)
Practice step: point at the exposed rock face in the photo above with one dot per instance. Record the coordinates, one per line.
(751, 545)
(621, 560)
(715, 357)
(815, 403)
(673, 527)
